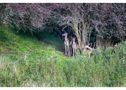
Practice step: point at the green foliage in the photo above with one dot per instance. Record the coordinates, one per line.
(24, 61)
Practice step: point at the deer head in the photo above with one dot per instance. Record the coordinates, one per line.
(65, 34)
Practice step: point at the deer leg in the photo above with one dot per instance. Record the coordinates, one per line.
(68, 51)
(65, 50)
(89, 55)
(73, 52)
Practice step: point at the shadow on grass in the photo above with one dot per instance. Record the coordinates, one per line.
(51, 39)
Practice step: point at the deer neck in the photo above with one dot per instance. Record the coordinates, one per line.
(66, 39)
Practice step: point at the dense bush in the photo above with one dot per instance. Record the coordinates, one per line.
(107, 19)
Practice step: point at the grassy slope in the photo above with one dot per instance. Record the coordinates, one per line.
(24, 61)
(12, 43)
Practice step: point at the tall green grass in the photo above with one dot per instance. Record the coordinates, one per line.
(24, 61)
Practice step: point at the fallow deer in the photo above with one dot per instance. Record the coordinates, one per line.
(74, 46)
(66, 44)
(88, 50)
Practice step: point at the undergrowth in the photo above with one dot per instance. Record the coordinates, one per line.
(24, 61)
